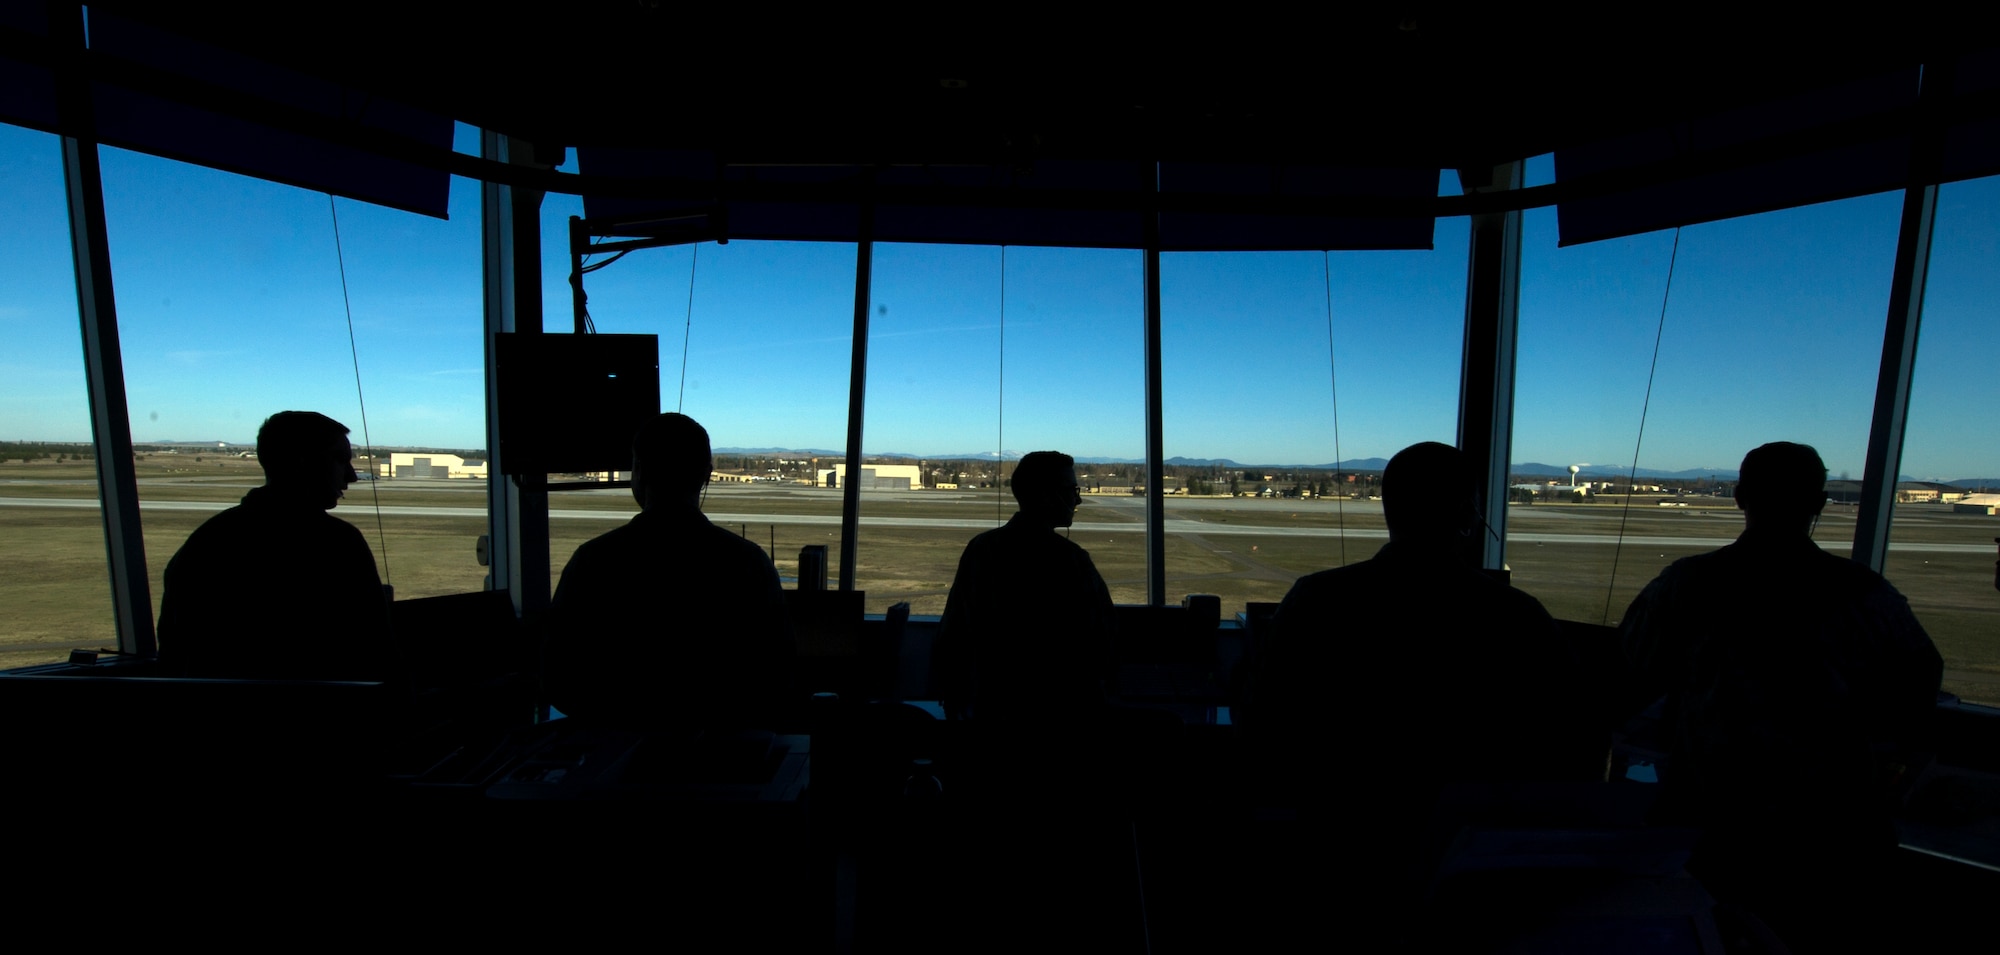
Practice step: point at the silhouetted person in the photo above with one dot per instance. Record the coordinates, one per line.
(1026, 630)
(1413, 669)
(276, 587)
(670, 624)
(1382, 683)
(1795, 681)
(1022, 654)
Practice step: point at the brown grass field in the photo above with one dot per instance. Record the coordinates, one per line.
(54, 582)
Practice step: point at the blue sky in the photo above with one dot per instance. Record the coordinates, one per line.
(230, 305)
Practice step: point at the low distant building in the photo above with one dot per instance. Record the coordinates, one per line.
(428, 465)
(1987, 504)
(1925, 492)
(876, 477)
(731, 477)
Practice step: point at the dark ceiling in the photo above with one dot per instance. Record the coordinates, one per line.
(1377, 84)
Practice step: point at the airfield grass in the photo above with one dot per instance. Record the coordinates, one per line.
(54, 582)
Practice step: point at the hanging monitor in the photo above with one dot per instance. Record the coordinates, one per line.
(570, 404)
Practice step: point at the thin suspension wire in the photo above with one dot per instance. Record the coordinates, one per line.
(594, 266)
(687, 332)
(354, 352)
(1632, 477)
(1000, 437)
(1333, 386)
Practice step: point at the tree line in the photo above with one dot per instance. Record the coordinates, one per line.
(25, 451)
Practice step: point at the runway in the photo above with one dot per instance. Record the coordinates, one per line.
(1173, 525)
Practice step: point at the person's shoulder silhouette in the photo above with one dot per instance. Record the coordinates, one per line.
(1417, 652)
(1770, 648)
(1025, 632)
(669, 621)
(1795, 683)
(276, 587)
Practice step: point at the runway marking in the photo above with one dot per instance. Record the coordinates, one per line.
(1177, 526)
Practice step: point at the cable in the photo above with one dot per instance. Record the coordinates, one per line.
(354, 352)
(576, 280)
(1632, 478)
(583, 300)
(1000, 427)
(586, 270)
(688, 332)
(1333, 386)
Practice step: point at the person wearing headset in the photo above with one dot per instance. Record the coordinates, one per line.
(1797, 687)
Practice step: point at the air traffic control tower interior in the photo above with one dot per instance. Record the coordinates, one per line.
(448, 800)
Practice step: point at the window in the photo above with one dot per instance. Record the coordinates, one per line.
(53, 580)
(961, 384)
(1269, 483)
(766, 330)
(1772, 333)
(1941, 545)
(232, 306)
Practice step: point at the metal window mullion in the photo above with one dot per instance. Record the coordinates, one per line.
(1156, 518)
(517, 517)
(857, 391)
(1486, 375)
(104, 364)
(1892, 387)
(110, 423)
(1899, 332)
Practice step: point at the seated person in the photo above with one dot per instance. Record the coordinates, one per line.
(276, 587)
(1795, 681)
(1414, 669)
(1026, 630)
(670, 623)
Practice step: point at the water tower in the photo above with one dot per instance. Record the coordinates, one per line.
(1572, 474)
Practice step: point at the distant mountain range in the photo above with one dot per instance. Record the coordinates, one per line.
(1602, 471)
(233, 446)
(1529, 469)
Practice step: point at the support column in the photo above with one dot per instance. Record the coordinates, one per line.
(104, 364)
(1899, 333)
(1892, 383)
(517, 509)
(857, 392)
(1486, 375)
(1156, 501)
(1895, 376)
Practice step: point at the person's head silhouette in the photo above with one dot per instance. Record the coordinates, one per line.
(1427, 496)
(670, 461)
(1781, 486)
(1045, 487)
(306, 457)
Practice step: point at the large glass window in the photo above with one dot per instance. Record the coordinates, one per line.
(1772, 333)
(972, 364)
(765, 328)
(1941, 545)
(234, 303)
(1290, 379)
(53, 578)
